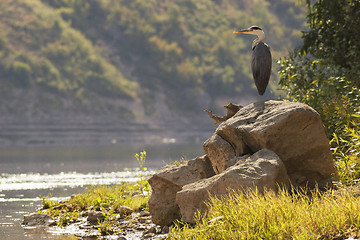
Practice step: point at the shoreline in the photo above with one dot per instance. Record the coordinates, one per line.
(102, 219)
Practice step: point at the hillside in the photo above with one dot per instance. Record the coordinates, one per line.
(139, 61)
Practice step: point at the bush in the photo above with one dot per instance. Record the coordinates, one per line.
(21, 73)
(324, 73)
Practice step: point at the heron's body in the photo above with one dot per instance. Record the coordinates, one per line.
(261, 59)
(261, 66)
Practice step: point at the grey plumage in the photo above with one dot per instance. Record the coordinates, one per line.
(261, 66)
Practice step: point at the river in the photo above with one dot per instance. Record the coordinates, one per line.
(28, 173)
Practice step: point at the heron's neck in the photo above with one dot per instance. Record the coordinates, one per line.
(259, 39)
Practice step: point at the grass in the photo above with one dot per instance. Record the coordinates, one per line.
(334, 214)
(330, 215)
(107, 199)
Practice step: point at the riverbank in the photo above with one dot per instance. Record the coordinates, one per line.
(120, 212)
(101, 212)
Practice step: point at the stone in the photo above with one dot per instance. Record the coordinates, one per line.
(262, 170)
(38, 219)
(144, 213)
(294, 131)
(94, 216)
(125, 210)
(165, 230)
(152, 229)
(168, 181)
(149, 235)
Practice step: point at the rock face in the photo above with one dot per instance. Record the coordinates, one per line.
(293, 131)
(262, 170)
(168, 181)
(264, 145)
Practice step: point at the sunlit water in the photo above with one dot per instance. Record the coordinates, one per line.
(27, 174)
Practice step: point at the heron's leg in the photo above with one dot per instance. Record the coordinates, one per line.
(260, 98)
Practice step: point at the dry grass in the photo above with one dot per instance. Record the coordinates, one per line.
(330, 215)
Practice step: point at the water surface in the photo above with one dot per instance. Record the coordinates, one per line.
(27, 173)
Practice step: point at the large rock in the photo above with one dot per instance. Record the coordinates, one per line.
(262, 170)
(294, 131)
(168, 181)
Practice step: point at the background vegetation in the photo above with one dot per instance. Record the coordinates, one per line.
(325, 73)
(95, 51)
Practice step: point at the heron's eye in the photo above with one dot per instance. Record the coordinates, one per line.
(255, 28)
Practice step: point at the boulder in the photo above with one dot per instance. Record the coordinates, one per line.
(262, 170)
(294, 131)
(38, 219)
(168, 181)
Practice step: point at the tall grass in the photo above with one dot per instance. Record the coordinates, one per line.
(331, 215)
(346, 151)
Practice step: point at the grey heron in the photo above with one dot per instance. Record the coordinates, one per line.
(261, 58)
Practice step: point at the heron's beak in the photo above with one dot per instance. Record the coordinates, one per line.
(246, 31)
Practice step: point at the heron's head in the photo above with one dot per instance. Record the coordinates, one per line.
(255, 30)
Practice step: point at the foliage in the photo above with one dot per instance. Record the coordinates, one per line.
(47, 203)
(347, 154)
(106, 223)
(251, 215)
(131, 49)
(324, 73)
(105, 198)
(39, 49)
(143, 184)
(68, 217)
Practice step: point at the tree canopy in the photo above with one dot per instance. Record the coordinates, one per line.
(325, 73)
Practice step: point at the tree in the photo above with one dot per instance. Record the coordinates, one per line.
(325, 71)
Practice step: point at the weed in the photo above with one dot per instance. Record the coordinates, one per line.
(106, 223)
(346, 150)
(107, 199)
(47, 203)
(334, 214)
(141, 158)
(68, 217)
(183, 160)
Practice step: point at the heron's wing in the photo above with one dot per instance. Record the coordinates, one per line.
(261, 66)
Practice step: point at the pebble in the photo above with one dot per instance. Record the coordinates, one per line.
(165, 230)
(125, 210)
(149, 235)
(152, 229)
(144, 213)
(94, 216)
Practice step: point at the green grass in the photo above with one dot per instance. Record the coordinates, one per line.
(107, 199)
(330, 215)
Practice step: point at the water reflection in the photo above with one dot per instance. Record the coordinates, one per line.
(32, 181)
(36, 233)
(26, 174)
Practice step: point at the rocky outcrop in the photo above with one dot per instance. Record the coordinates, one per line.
(262, 170)
(264, 145)
(294, 131)
(168, 181)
